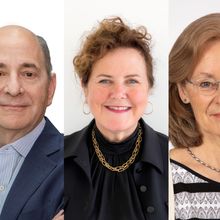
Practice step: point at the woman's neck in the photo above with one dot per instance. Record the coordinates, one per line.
(209, 150)
(212, 142)
(116, 136)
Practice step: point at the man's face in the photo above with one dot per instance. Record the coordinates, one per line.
(25, 88)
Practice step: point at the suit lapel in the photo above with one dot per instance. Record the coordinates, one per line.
(36, 167)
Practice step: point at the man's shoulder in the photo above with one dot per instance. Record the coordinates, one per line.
(50, 131)
(50, 140)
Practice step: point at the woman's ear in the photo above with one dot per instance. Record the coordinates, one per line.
(85, 90)
(183, 93)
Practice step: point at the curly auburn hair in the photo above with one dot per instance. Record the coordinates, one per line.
(184, 56)
(111, 34)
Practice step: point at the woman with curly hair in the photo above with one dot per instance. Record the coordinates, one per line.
(116, 167)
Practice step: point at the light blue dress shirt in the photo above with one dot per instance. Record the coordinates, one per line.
(12, 157)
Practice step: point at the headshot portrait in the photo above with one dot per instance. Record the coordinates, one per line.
(116, 159)
(194, 109)
(147, 14)
(31, 142)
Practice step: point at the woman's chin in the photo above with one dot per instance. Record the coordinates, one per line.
(116, 128)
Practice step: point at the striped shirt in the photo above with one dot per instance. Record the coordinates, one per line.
(196, 196)
(12, 157)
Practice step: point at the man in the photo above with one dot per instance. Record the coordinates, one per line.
(31, 148)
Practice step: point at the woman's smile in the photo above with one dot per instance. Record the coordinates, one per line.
(118, 109)
(117, 91)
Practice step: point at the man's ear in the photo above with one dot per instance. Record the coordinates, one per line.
(183, 93)
(51, 88)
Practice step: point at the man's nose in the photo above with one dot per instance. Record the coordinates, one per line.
(118, 91)
(13, 85)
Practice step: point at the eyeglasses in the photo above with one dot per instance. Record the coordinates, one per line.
(206, 86)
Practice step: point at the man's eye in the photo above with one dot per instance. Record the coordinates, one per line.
(2, 74)
(28, 75)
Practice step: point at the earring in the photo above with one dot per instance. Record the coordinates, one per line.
(147, 113)
(84, 111)
(185, 101)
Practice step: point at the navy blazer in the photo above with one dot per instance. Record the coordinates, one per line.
(150, 174)
(37, 191)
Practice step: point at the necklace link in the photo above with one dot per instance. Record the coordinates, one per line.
(202, 162)
(125, 165)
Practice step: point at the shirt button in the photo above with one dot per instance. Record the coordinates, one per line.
(139, 170)
(2, 188)
(150, 209)
(143, 188)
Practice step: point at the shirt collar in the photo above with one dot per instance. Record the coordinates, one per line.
(24, 144)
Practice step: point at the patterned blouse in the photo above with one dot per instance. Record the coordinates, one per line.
(196, 196)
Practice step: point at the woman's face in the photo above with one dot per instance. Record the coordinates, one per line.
(117, 92)
(206, 108)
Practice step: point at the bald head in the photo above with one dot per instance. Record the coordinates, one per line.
(15, 29)
(16, 35)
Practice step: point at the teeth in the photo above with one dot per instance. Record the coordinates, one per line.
(118, 108)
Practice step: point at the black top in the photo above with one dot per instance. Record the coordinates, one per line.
(149, 175)
(115, 194)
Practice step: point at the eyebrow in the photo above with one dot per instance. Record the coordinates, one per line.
(23, 65)
(104, 75)
(29, 65)
(132, 75)
(109, 76)
(206, 74)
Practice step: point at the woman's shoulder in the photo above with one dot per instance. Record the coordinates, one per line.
(162, 138)
(156, 139)
(73, 136)
(179, 154)
(179, 157)
(71, 139)
(80, 134)
(152, 132)
(74, 140)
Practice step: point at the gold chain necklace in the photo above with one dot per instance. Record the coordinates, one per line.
(125, 165)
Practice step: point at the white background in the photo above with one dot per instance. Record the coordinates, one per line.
(183, 12)
(81, 16)
(44, 18)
